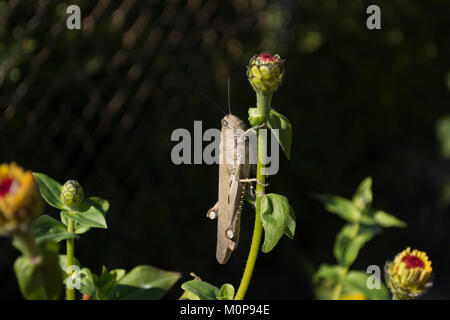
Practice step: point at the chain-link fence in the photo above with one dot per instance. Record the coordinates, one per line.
(99, 104)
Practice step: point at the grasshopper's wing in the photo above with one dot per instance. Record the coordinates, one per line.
(223, 252)
(238, 189)
(230, 204)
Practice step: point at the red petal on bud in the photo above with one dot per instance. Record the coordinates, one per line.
(266, 57)
(5, 186)
(413, 262)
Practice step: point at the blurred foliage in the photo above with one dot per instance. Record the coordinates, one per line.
(334, 282)
(99, 105)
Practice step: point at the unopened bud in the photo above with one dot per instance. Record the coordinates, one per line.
(265, 72)
(72, 194)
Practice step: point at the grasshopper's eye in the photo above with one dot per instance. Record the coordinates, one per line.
(224, 123)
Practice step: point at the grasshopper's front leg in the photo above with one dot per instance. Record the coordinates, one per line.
(213, 212)
(246, 132)
(254, 180)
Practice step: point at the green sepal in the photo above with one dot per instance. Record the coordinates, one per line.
(254, 117)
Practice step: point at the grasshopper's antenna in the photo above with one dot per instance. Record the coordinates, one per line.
(213, 102)
(229, 99)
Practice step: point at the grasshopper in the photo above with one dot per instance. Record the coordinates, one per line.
(234, 171)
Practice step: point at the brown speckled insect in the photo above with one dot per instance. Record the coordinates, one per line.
(234, 170)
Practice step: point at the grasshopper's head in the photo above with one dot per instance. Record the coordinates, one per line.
(232, 122)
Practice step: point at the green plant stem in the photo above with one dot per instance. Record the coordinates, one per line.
(70, 293)
(263, 105)
(263, 101)
(338, 289)
(25, 242)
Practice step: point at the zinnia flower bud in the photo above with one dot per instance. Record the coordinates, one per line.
(20, 201)
(409, 275)
(72, 194)
(265, 72)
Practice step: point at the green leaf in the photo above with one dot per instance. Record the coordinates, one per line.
(144, 283)
(118, 273)
(105, 283)
(340, 206)
(443, 135)
(62, 259)
(188, 296)
(39, 278)
(363, 195)
(290, 224)
(78, 228)
(357, 280)
(387, 220)
(226, 292)
(368, 220)
(87, 285)
(100, 204)
(274, 215)
(284, 136)
(46, 228)
(332, 273)
(325, 280)
(350, 240)
(91, 218)
(50, 190)
(201, 289)
(95, 203)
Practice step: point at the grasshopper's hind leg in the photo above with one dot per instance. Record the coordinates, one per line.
(213, 212)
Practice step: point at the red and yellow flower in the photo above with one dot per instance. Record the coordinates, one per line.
(409, 275)
(20, 201)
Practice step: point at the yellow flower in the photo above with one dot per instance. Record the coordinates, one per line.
(265, 72)
(20, 200)
(409, 275)
(356, 296)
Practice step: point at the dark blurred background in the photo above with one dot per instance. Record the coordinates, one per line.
(100, 104)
